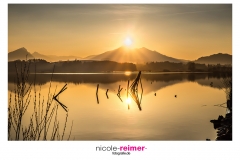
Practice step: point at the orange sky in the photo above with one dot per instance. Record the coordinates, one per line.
(176, 30)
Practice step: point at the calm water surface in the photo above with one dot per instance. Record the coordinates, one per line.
(163, 117)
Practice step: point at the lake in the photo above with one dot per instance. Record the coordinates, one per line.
(174, 106)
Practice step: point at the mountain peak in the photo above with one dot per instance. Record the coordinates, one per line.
(35, 53)
(23, 49)
(125, 48)
(133, 55)
(21, 54)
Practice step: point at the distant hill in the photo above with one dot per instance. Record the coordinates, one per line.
(42, 66)
(63, 58)
(140, 55)
(19, 54)
(53, 58)
(121, 55)
(41, 56)
(89, 57)
(219, 58)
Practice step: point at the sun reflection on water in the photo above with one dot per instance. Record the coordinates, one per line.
(128, 100)
(127, 73)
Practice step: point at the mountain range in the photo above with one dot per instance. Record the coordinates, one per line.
(138, 55)
(22, 52)
(122, 54)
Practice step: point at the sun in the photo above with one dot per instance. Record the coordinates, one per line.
(128, 41)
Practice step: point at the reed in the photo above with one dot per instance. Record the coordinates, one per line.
(43, 122)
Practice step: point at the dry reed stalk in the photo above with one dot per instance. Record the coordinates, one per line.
(41, 119)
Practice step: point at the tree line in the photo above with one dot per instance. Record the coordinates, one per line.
(78, 66)
(183, 67)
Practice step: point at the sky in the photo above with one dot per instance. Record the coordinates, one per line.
(184, 31)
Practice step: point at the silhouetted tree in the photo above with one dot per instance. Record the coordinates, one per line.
(191, 66)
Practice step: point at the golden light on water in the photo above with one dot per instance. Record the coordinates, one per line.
(127, 73)
(128, 100)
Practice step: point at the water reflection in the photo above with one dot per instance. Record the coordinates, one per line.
(118, 117)
(55, 97)
(133, 90)
(97, 94)
(110, 78)
(119, 92)
(127, 73)
(107, 93)
(128, 101)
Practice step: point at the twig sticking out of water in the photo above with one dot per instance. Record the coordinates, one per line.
(133, 91)
(119, 92)
(107, 93)
(63, 89)
(127, 88)
(55, 98)
(97, 93)
(127, 93)
(220, 105)
(120, 98)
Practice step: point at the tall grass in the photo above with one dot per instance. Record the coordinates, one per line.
(43, 122)
(227, 87)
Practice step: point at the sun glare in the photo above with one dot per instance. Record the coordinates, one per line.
(128, 41)
(128, 100)
(127, 73)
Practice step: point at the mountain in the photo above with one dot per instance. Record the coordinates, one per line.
(121, 55)
(139, 55)
(41, 56)
(220, 58)
(53, 58)
(19, 54)
(89, 57)
(64, 58)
